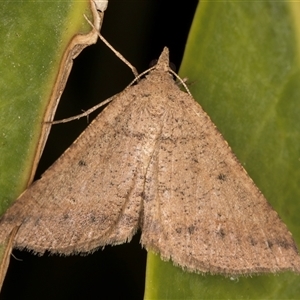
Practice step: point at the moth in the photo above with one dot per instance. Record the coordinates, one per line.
(153, 160)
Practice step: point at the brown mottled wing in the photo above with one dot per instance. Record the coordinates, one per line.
(153, 158)
(91, 196)
(201, 209)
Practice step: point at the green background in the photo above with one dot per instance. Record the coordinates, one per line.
(242, 61)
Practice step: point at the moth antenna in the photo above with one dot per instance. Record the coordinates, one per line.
(118, 54)
(181, 81)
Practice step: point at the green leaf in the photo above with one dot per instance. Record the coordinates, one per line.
(39, 40)
(34, 36)
(242, 62)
